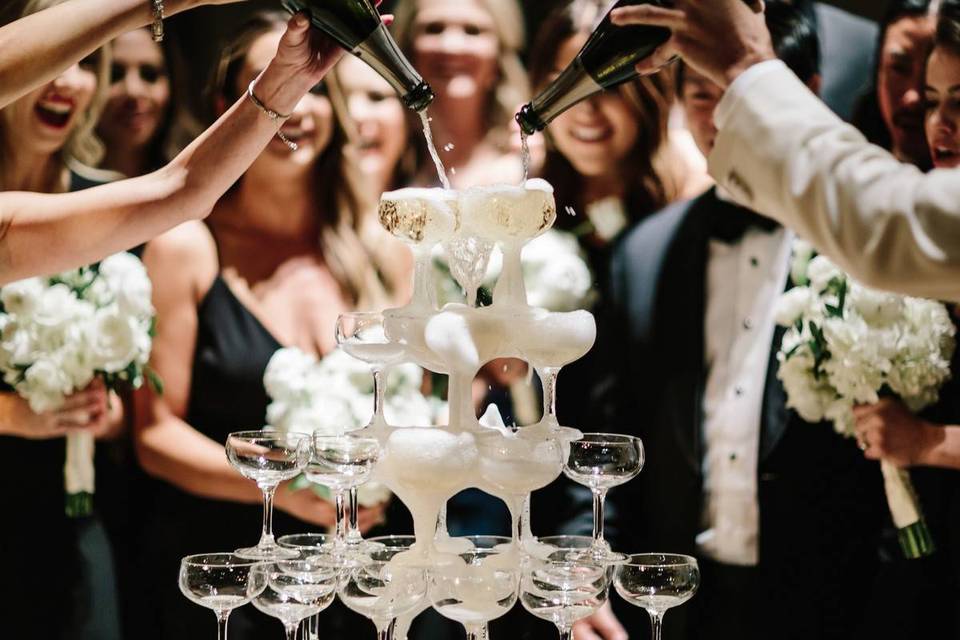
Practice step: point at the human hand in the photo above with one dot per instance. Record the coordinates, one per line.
(602, 625)
(887, 430)
(719, 38)
(83, 411)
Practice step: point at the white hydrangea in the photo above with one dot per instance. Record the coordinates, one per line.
(870, 342)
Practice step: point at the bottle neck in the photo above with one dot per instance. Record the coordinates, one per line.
(382, 53)
(570, 87)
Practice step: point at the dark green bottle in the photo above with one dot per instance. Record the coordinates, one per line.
(607, 59)
(356, 26)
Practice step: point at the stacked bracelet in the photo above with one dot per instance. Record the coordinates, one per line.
(157, 20)
(270, 113)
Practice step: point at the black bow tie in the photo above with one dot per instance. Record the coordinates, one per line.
(729, 223)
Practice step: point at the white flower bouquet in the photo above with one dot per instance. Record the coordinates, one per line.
(59, 333)
(335, 395)
(845, 345)
(555, 273)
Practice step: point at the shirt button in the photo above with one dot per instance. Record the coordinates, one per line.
(733, 457)
(754, 262)
(747, 324)
(738, 390)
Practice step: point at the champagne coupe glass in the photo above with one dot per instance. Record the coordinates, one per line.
(268, 458)
(401, 543)
(363, 335)
(308, 545)
(383, 589)
(343, 463)
(564, 587)
(296, 590)
(220, 581)
(476, 586)
(657, 582)
(600, 461)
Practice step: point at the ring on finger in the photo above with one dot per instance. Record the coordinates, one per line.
(861, 443)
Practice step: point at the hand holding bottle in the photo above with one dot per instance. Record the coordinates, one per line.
(719, 38)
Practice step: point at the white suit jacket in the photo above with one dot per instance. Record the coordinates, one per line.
(782, 152)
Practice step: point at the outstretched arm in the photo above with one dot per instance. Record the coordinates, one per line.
(46, 233)
(38, 48)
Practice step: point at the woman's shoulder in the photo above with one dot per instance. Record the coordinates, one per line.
(186, 254)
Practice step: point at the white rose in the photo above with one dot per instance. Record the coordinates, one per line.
(22, 298)
(113, 340)
(77, 364)
(128, 280)
(287, 374)
(19, 345)
(820, 272)
(555, 273)
(792, 305)
(77, 278)
(45, 385)
(372, 494)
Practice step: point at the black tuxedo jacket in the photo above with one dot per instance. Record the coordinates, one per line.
(820, 502)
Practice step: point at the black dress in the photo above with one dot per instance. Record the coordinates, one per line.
(227, 394)
(58, 580)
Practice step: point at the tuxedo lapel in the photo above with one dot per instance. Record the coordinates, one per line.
(775, 416)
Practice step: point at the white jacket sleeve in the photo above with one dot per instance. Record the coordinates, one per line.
(782, 152)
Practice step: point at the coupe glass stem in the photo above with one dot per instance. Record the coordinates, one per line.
(548, 376)
(266, 538)
(377, 394)
(656, 621)
(341, 534)
(291, 630)
(385, 632)
(566, 634)
(222, 625)
(353, 512)
(599, 495)
(478, 632)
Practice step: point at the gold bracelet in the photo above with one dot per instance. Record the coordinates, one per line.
(270, 113)
(157, 20)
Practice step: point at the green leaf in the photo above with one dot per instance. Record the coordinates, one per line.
(154, 380)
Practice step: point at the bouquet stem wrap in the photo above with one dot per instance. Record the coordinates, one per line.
(78, 474)
(912, 531)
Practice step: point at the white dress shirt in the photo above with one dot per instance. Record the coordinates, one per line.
(744, 280)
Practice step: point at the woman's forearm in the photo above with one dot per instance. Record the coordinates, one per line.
(83, 227)
(38, 48)
(175, 452)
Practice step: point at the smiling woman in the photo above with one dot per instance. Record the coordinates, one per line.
(942, 91)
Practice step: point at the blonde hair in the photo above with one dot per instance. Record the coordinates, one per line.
(345, 212)
(513, 88)
(83, 147)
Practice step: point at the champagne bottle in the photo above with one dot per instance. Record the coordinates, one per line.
(356, 26)
(607, 59)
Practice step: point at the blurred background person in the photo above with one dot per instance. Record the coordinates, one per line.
(284, 252)
(143, 101)
(890, 113)
(47, 145)
(385, 146)
(469, 53)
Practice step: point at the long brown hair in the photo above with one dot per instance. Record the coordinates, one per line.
(344, 213)
(644, 171)
(83, 146)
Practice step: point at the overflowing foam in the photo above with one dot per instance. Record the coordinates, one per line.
(424, 465)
